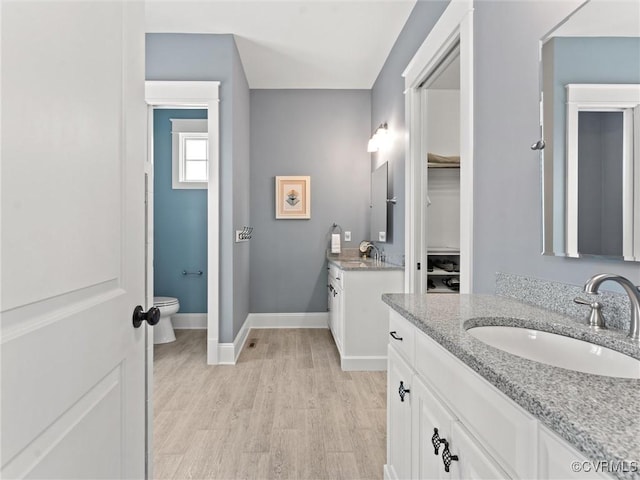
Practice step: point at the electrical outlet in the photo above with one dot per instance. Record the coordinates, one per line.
(382, 236)
(347, 236)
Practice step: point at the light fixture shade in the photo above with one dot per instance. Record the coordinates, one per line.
(372, 146)
(382, 131)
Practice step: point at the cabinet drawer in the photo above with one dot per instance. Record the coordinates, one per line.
(336, 276)
(505, 430)
(401, 336)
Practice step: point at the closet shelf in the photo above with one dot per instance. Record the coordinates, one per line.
(441, 272)
(441, 290)
(443, 251)
(442, 165)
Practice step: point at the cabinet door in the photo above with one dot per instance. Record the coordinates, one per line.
(473, 462)
(432, 422)
(398, 416)
(338, 319)
(558, 460)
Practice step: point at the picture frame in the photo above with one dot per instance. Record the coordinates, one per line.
(293, 197)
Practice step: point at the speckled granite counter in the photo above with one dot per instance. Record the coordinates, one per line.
(599, 416)
(358, 263)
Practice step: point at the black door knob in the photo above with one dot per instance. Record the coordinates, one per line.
(152, 316)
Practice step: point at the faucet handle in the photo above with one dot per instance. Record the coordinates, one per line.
(595, 318)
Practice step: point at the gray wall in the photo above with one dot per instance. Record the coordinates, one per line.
(387, 105)
(507, 233)
(324, 134)
(241, 194)
(215, 57)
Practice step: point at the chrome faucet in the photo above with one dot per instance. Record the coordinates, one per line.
(594, 283)
(377, 252)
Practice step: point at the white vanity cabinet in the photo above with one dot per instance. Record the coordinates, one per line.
(452, 408)
(358, 318)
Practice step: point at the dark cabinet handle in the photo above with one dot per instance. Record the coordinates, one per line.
(436, 441)
(395, 336)
(447, 458)
(402, 391)
(152, 316)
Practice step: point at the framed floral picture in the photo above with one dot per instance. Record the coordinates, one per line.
(293, 197)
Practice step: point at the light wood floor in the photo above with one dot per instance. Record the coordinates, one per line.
(285, 410)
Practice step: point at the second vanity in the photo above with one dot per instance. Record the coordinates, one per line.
(458, 408)
(358, 318)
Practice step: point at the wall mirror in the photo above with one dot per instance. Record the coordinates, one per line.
(590, 94)
(379, 204)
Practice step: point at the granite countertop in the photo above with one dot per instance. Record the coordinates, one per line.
(359, 263)
(599, 416)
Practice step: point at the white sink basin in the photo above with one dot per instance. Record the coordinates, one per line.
(558, 351)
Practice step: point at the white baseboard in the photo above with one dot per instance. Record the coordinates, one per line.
(189, 321)
(212, 351)
(363, 364)
(228, 353)
(289, 320)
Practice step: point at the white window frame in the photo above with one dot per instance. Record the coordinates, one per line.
(182, 129)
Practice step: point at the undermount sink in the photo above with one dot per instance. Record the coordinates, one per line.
(558, 351)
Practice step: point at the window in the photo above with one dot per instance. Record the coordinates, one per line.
(190, 153)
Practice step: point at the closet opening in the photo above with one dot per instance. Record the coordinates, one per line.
(441, 91)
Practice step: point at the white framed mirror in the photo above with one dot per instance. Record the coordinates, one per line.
(379, 203)
(590, 79)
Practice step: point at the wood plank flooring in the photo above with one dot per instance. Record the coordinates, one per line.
(285, 411)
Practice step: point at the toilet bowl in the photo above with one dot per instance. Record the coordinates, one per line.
(163, 331)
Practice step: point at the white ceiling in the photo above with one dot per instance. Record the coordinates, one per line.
(295, 44)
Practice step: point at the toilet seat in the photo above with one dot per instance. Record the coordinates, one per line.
(164, 301)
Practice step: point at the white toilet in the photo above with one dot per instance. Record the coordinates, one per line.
(163, 331)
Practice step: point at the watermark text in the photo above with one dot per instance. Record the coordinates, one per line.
(604, 466)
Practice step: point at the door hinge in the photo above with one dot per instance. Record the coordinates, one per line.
(418, 265)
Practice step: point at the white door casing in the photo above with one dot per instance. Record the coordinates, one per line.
(454, 26)
(72, 242)
(199, 94)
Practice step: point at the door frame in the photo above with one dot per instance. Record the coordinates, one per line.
(454, 26)
(196, 94)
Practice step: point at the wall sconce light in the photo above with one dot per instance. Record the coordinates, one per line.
(379, 139)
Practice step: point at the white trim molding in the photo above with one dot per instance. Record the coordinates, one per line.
(189, 321)
(623, 98)
(363, 364)
(228, 353)
(203, 95)
(289, 320)
(454, 27)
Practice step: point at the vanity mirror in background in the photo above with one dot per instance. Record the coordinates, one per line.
(590, 83)
(379, 204)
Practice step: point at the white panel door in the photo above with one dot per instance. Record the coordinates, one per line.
(73, 150)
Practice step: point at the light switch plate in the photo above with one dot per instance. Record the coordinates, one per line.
(382, 236)
(347, 236)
